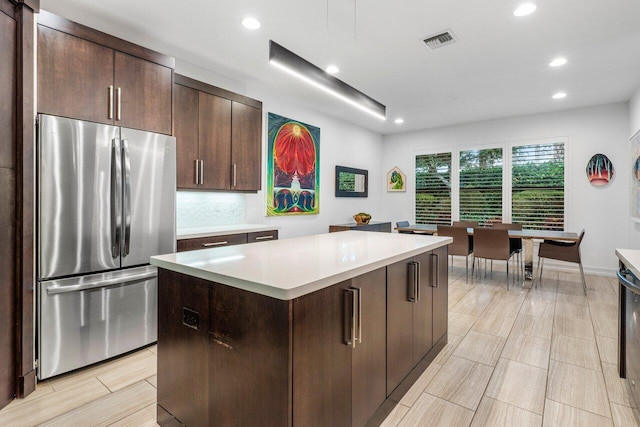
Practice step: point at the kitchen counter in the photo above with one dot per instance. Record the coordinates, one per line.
(329, 329)
(221, 230)
(631, 259)
(289, 268)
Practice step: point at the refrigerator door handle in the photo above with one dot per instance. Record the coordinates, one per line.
(116, 188)
(101, 283)
(126, 168)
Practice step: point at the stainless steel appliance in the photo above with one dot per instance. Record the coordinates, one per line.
(106, 203)
(629, 334)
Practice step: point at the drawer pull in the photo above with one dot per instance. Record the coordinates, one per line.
(207, 245)
(264, 237)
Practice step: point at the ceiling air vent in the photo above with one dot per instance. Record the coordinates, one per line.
(441, 39)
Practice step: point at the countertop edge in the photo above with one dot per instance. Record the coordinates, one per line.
(290, 294)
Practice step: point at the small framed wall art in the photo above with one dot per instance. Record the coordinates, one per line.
(396, 180)
(599, 170)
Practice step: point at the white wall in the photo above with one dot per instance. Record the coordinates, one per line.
(603, 212)
(634, 112)
(341, 143)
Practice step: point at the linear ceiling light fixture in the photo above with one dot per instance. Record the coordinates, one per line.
(291, 63)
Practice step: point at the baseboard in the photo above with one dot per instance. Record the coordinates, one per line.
(573, 268)
(27, 384)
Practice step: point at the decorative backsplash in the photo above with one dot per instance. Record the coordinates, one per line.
(206, 209)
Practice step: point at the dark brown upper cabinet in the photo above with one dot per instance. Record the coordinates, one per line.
(219, 138)
(88, 75)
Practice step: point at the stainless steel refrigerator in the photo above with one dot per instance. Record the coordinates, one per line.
(105, 204)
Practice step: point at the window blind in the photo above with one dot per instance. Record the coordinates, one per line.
(538, 186)
(433, 189)
(481, 185)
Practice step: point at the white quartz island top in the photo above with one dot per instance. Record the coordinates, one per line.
(221, 230)
(289, 268)
(630, 258)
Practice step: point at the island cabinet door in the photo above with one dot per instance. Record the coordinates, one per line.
(322, 353)
(183, 324)
(400, 295)
(369, 362)
(249, 359)
(440, 284)
(423, 308)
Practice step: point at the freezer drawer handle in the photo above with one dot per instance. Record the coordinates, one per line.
(101, 283)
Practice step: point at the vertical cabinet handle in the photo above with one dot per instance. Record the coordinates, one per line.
(359, 337)
(235, 175)
(201, 172)
(119, 104)
(110, 102)
(413, 281)
(350, 317)
(418, 292)
(435, 270)
(197, 171)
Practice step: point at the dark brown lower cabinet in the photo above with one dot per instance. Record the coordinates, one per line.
(440, 294)
(8, 286)
(339, 357)
(231, 357)
(416, 311)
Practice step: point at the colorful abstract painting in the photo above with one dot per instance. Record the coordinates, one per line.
(293, 167)
(396, 180)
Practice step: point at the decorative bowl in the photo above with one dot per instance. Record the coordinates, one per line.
(362, 218)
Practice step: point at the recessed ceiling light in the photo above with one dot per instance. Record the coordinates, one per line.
(524, 9)
(398, 121)
(559, 95)
(332, 69)
(557, 62)
(251, 23)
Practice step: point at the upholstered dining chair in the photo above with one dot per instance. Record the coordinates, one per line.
(562, 251)
(516, 244)
(492, 244)
(403, 224)
(461, 245)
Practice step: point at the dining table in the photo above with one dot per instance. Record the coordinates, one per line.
(526, 235)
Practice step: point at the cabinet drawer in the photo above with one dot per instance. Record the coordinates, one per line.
(262, 236)
(211, 242)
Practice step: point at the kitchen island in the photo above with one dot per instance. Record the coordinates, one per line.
(329, 329)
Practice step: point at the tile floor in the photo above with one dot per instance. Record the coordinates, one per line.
(514, 358)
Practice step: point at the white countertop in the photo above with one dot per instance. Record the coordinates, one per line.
(630, 258)
(290, 268)
(220, 230)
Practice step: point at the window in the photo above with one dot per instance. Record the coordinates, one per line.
(537, 186)
(513, 182)
(481, 185)
(433, 189)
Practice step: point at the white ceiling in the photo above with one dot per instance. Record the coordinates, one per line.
(498, 68)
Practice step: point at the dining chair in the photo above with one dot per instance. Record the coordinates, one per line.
(492, 244)
(562, 251)
(515, 243)
(461, 245)
(403, 224)
(468, 224)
